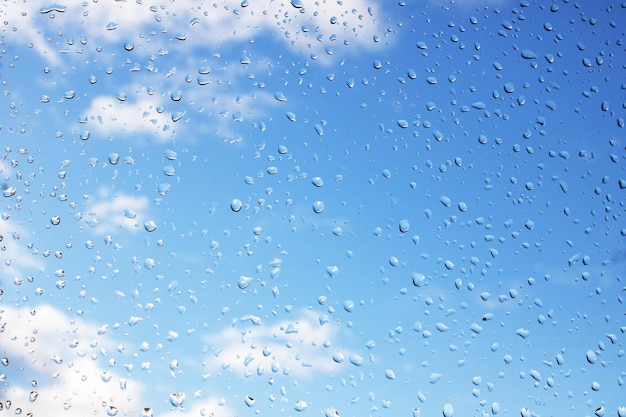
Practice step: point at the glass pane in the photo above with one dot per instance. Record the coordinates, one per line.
(300, 207)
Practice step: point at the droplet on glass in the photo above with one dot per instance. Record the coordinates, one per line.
(236, 205)
(150, 226)
(318, 206)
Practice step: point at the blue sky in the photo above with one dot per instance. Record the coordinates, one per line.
(468, 158)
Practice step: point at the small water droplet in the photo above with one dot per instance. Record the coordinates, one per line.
(301, 405)
(318, 206)
(404, 226)
(591, 356)
(291, 116)
(55, 220)
(150, 226)
(177, 399)
(317, 181)
(236, 205)
(448, 410)
(169, 170)
(280, 96)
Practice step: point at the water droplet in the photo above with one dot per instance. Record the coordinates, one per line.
(301, 405)
(291, 116)
(448, 410)
(332, 412)
(528, 54)
(280, 96)
(150, 226)
(318, 206)
(419, 280)
(332, 271)
(112, 411)
(317, 181)
(356, 359)
(169, 170)
(298, 4)
(389, 374)
(404, 226)
(53, 8)
(244, 282)
(111, 26)
(403, 123)
(236, 205)
(114, 158)
(591, 357)
(32, 396)
(445, 200)
(55, 220)
(177, 399)
(177, 115)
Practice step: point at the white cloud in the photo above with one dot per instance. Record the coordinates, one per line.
(55, 358)
(301, 346)
(110, 213)
(15, 259)
(198, 24)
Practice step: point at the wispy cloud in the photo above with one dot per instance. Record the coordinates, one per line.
(315, 27)
(300, 346)
(110, 212)
(54, 366)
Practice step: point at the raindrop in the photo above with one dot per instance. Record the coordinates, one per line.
(236, 205)
(301, 405)
(318, 206)
(169, 170)
(280, 96)
(404, 226)
(448, 410)
(53, 8)
(291, 116)
(389, 374)
(177, 399)
(150, 226)
(591, 357)
(55, 220)
(445, 200)
(317, 181)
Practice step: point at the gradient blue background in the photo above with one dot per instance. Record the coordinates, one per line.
(469, 257)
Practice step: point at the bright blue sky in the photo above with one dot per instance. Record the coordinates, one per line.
(494, 130)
